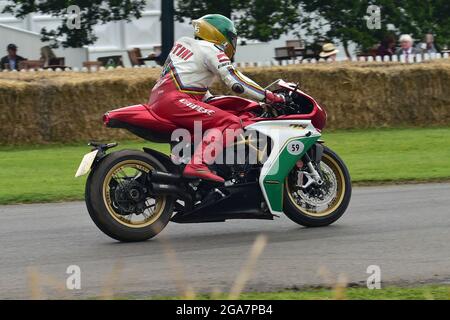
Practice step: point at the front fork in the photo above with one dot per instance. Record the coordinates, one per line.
(312, 176)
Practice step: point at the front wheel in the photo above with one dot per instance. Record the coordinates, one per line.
(313, 205)
(119, 200)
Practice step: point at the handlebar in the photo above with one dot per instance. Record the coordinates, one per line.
(271, 110)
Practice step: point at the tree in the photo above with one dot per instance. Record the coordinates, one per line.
(92, 12)
(193, 9)
(255, 19)
(345, 20)
(421, 17)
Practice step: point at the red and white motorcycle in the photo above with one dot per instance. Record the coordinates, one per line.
(131, 195)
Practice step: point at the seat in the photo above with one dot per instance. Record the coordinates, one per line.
(141, 121)
(135, 56)
(58, 61)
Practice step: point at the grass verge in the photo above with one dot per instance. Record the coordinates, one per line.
(46, 173)
(428, 292)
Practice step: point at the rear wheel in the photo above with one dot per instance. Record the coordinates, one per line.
(119, 200)
(317, 206)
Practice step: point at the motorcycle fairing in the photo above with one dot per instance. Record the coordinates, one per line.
(300, 135)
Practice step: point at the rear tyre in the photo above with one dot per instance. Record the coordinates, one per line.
(318, 206)
(119, 201)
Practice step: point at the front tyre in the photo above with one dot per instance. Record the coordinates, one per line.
(119, 200)
(317, 206)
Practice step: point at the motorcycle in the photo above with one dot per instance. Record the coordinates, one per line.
(132, 195)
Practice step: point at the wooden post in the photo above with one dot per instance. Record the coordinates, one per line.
(167, 28)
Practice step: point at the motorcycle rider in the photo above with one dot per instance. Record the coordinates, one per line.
(192, 65)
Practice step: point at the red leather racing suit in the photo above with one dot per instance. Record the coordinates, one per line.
(179, 95)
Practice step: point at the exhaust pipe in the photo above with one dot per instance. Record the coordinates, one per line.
(171, 190)
(164, 177)
(166, 189)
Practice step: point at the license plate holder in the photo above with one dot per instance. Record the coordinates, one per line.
(86, 163)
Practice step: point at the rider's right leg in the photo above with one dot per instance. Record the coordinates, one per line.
(211, 146)
(184, 112)
(197, 168)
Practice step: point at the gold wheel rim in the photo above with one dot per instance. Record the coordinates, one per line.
(337, 200)
(160, 202)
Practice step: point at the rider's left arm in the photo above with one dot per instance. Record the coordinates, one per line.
(218, 62)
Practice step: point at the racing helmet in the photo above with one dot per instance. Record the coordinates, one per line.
(217, 29)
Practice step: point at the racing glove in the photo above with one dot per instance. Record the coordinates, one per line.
(274, 98)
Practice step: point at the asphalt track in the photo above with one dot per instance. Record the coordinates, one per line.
(405, 230)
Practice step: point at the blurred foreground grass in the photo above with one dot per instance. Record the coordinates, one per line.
(46, 173)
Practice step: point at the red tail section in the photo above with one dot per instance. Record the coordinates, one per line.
(140, 120)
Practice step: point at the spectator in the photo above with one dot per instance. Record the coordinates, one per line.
(386, 47)
(47, 55)
(329, 51)
(427, 46)
(406, 47)
(12, 60)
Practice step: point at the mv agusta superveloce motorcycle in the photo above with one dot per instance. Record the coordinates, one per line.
(132, 195)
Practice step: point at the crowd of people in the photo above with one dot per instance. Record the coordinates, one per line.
(387, 47)
(12, 60)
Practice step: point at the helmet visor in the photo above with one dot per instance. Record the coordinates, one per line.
(231, 48)
(233, 39)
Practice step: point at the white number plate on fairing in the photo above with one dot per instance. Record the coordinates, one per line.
(86, 163)
(295, 147)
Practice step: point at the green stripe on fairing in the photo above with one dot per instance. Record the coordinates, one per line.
(280, 170)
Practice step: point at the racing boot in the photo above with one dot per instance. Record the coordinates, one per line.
(197, 168)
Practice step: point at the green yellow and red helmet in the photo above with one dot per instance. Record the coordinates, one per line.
(217, 29)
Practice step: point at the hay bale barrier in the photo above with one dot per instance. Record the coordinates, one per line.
(54, 107)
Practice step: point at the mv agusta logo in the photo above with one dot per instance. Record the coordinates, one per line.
(196, 107)
(298, 126)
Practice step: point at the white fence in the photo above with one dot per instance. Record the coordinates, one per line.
(419, 58)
